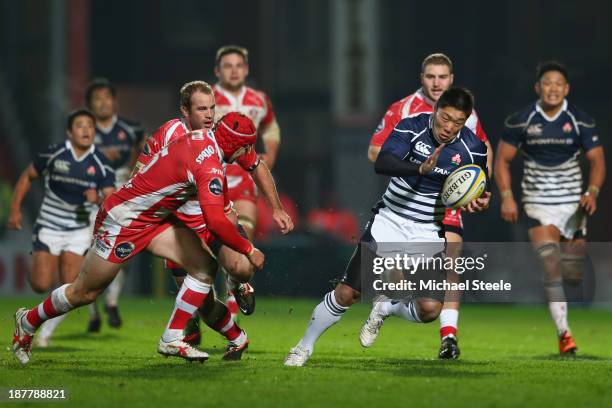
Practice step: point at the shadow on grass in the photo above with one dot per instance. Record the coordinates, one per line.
(578, 357)
(87, 336)
(58, 349)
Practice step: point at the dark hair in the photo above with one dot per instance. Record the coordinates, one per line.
(98, 83)
(231, 49)
(75, 114)
(437, 59)
(192, 87)
(458, 98)
(546, 66)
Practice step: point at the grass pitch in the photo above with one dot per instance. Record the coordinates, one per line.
(508, 359)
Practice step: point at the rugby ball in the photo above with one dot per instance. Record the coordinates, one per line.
(465, 184)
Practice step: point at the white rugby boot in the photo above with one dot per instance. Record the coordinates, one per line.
(371, 327)
(178, 348)
(297, 357)
(22, 339)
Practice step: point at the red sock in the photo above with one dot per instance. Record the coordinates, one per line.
(448, 330)
(54, 305)
(232, 305)
(226, 326)
(189, 299)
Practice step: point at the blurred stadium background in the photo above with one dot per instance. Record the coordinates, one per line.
(331, 69)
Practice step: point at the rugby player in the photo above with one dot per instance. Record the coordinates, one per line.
(417, 177)
(436, 77)
(551, 133)
(119, 139)
(76, 176)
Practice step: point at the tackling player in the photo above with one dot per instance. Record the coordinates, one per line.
(232, 95)
(551, 133)
(75, 174)
(119, 139)
(418, 155)
(436, 77)
(138, 217)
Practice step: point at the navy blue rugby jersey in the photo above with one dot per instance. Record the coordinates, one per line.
(122, 135)
(66, 178)
(418, 197)
(551, 146)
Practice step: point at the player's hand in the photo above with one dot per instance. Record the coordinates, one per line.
(429, 164)
(589, 203)
(15, 219)
(479, 204)
(111, 153)
(257, 258)
(91, 195)
(283, 220)
(509, 210)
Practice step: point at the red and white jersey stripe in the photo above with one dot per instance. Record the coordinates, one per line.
(250, 102)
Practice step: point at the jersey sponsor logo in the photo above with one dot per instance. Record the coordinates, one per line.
(435, 170)
(380, 126)
(205, 154)
(124, 249)
(535, 130)
(422, 148)
(456, 159)
(567, 128)
(91, 171)
(61, 166)
(215, 187)
(215, 170)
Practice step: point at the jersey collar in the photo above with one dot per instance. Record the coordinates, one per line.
(110, 127)
(235, 101)
(539, 109)
(424, 97)
(92, 148)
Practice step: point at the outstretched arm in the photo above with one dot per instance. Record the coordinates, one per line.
(265, 182)
(21, 189)
(505, 154)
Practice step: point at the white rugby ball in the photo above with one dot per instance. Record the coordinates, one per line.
(465, 184)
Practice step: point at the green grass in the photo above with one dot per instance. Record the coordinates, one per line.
(508, 359)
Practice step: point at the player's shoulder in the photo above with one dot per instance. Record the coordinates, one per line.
(471, 141)
(582, 118)
(53, 149)
(101, 160)
(254, 96)
(521, 117)
(127, 123)
(414, 123)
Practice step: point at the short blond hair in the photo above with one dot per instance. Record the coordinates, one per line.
(192, 87)
(437, 59)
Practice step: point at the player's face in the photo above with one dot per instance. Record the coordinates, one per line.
(232, 71)
(102, 103)
(82, 132)
(435, 79)
(201, 114)
(552, 88)
(447, 122)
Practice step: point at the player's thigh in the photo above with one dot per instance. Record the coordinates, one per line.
(181, 245)
(70, 265)
(235, 264)
(247, 215)
(454, 243)
(428, 309)
(94, 276)
(44, 271)
(543, 234)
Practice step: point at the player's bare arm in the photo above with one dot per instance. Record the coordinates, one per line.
(270, 135)
(505, 154)
(597, 175)
(265, 182)
(21, 189)
(373, 153)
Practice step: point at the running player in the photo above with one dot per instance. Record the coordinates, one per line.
(138, 217)
(232, 95)
(551, 133)
(76, 176)
(436, 77)
(119, 139)
(417, 177)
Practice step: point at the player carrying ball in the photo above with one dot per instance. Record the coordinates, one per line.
(418, 155)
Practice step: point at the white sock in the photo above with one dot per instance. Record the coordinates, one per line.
(325, 315)
(449, 318)
(189, 299)
(557, 305)
(94, 314)
(49, 326)
(114, 289)
(404, 310)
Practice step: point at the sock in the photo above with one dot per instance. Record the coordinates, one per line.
(114, 289)
(94, 314)
(225, 324)
(448, 322)
(325, 315)
(557, 305)
(48, 327)
(404, 310)
(56, 304)
(189, 299)
(232, 305)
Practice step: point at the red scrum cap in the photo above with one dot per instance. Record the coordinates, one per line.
(234, 131)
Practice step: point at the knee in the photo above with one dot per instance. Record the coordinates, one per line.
(239, 268)
(41, 284)
(345, 295)
(428, 310)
